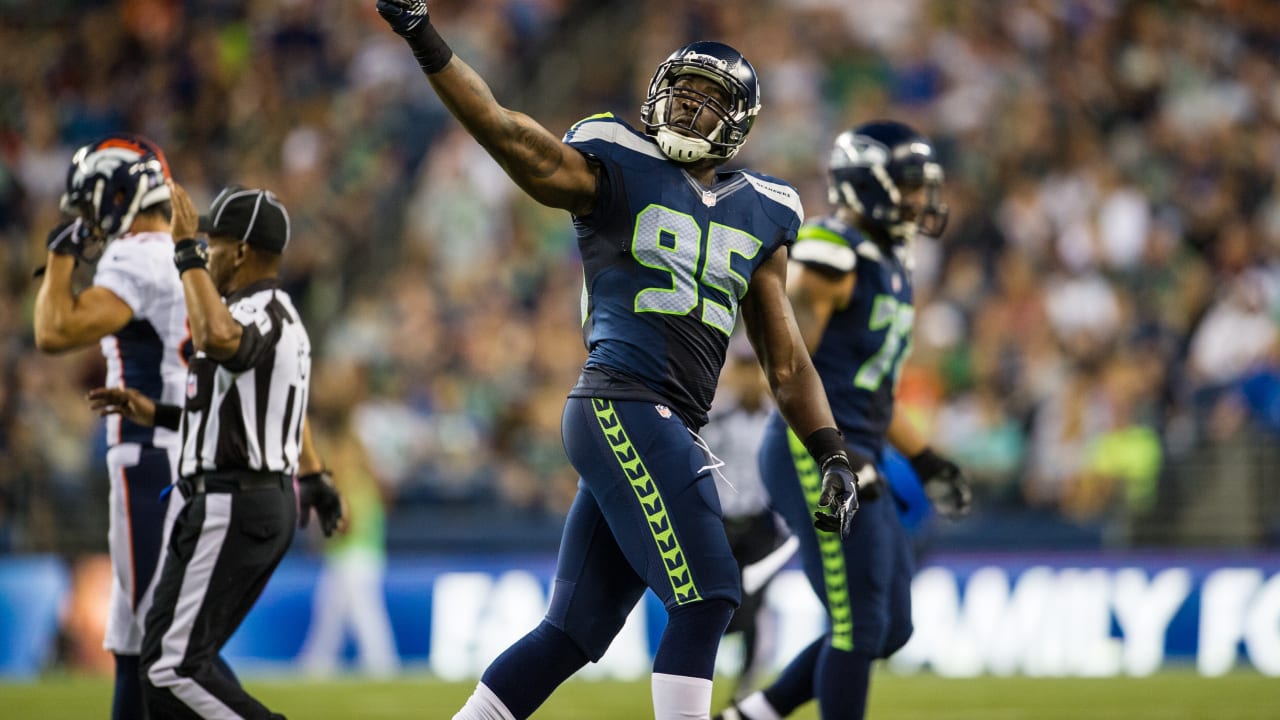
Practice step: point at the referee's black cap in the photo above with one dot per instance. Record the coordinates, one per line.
(250, 215)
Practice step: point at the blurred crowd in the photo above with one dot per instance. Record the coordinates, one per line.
(1098, 322)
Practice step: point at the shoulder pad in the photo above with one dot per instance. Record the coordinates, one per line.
(822, 243)
(606, 135)
(780, 194)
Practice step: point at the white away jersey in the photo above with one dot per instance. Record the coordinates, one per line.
(150, 353)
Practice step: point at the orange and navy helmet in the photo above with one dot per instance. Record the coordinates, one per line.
(111, 179)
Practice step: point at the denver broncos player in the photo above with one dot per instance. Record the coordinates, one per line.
(119, 203)
(672, 248)
(852, 293)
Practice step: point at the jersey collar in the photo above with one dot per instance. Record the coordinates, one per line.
(254, 287)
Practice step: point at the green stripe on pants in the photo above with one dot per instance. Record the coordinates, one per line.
(834, 576)
(655, 510)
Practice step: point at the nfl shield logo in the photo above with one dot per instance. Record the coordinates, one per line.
(191, 386)
(897, 282)
(708, 198)
(664, 411)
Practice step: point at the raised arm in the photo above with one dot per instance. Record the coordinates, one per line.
(63, 319)
(550, 171)
(213, 329)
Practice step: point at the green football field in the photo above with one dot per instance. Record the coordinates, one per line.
(1169, 696)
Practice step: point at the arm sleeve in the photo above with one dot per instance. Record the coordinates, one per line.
(595, 137)
(126, 278)
(607, 174)
(260, 336)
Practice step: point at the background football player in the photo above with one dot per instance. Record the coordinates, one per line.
(119, 206)
(852, 293)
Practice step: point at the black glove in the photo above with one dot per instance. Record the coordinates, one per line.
(66, 238)
(315, 490)
(404, 16)
(840, 493)
(409, 20)
(944, 484)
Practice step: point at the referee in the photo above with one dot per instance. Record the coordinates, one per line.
(242, 435)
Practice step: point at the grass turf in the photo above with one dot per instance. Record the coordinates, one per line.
(1168, 696)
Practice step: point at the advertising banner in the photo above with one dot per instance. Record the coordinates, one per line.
(1032, 614)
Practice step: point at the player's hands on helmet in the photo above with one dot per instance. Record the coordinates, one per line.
(944, 484)
(185, 221)
(128, 403)
(404, 16)
(839, 496)
(67, 237)
(316, 491)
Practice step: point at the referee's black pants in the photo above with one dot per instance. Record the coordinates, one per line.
(229, 537)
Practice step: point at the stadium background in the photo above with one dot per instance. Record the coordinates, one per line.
(1097, 337)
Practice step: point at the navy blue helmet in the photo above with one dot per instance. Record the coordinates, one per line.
(875, 166)
(110, 180)
(725, 66)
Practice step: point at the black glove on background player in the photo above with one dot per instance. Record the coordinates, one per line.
(315, 490)
(66, 238)
(944, 484)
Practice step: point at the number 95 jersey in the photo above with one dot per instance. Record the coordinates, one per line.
(666, 261)
(864, 344)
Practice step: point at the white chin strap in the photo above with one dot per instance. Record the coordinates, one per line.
(681, 148)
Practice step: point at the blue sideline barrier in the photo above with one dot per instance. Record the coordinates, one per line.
(1079, 614)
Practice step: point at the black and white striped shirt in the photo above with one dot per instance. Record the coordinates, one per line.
(245, 413)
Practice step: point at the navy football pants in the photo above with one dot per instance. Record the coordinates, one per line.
(646, 515)
(864, 581)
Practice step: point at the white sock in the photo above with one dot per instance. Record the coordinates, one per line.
(484, 705)
(678, 697)
(756, 707)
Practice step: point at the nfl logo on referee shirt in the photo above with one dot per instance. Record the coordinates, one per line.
(191, 385)
(664, 411)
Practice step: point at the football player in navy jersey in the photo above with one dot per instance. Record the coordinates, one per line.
(852, 293)
(672, 249)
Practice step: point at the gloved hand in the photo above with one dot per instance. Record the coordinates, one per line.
(839, 493)
(66, 238)
(315, 490)
(944, 484)
(408, 18)
(404, 16)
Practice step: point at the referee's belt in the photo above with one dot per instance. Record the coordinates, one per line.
(233, 481)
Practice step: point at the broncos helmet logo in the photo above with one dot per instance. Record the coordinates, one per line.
(110, 180)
